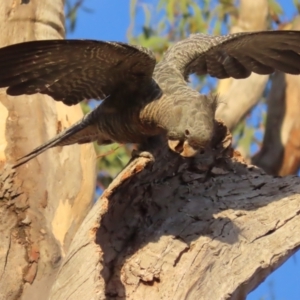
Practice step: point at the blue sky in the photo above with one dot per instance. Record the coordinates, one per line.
(109, 21)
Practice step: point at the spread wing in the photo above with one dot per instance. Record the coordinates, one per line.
(73, 70)
(237, 55)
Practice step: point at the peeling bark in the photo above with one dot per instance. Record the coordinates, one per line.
(178, 228)
(279, 154)
(239, 96)
(43, 203)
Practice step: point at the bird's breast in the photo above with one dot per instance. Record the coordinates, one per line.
(126, 126)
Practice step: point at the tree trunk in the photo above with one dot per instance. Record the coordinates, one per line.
(206, 228)
(211, 227)
(279, 154)
(45, 201)
(239, 96)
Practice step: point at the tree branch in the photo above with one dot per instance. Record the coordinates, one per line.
(241, 95)
(279, 154)
(178, 228)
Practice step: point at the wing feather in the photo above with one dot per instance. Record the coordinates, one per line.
(74, 70)
(237, 55)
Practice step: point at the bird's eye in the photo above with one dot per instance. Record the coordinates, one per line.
(187, 132)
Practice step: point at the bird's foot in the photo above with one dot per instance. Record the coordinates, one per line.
(145, 154)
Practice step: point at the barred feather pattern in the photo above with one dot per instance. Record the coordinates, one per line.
(237, 55)
(141, 98)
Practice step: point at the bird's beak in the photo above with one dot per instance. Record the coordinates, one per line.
(183, 148)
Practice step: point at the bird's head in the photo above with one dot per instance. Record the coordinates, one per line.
(193, 127)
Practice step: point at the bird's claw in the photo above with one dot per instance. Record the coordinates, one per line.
(145, 154)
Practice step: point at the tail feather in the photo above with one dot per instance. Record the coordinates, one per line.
(79, 133)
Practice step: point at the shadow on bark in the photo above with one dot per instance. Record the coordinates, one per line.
(159, 216)
(174, 197)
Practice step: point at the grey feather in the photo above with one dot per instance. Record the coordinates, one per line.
(237, 55)
(145, 99)
(83, 131)
(74, 70)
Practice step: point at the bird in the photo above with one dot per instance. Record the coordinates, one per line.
(140, 97)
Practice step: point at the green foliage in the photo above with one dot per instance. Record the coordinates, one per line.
(113, 158)
(173, 20)
(275, 7)
(71, 11)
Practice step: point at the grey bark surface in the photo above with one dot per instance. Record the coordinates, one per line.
(43, 203)
(239, 96)
(177, 229)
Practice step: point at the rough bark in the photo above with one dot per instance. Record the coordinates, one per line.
(239, 96)
(43, 204)
(169, 228)
(207, 228)
(279, 154)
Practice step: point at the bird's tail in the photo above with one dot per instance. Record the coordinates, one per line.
(81, 132)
